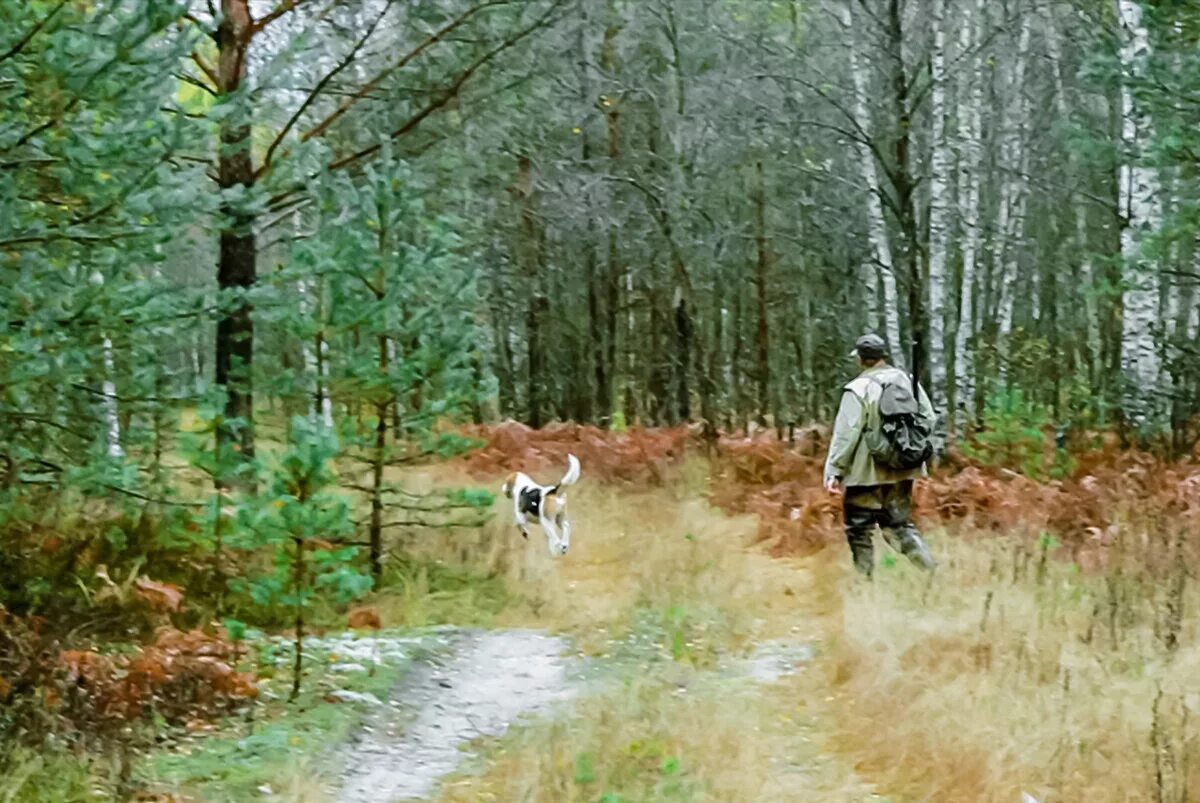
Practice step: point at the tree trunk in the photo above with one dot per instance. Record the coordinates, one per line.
(503, 352)
(378, 460)
(601, 399)
(537, 304)
(684, 347)
(970, 161)
(905, 186)
(736, 362)
(1011, 224)
(939, 214)
(112, 419)
(762, 344)
(298, 572)
(197, 362)
(1140, 360)
(1086, 271)
(386, 398)
(237, 262)
(876, 226)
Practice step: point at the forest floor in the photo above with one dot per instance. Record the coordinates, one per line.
(677, 653)
(664, 658)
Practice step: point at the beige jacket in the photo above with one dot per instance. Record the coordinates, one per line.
(849, 459)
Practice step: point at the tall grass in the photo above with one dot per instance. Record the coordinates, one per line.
(660, 591)
(1014, 672)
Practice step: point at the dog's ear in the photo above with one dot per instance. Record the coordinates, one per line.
(509, 482)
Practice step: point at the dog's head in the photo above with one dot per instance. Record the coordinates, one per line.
(509, 483)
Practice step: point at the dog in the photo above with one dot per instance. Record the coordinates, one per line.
(531, 499)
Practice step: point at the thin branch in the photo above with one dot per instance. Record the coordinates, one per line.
(374, 83)
(205, 68)
(60, 236)
(283, 8)
(316, 91)
(448, 93)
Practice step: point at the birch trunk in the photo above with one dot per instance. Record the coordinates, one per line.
(1192, 325)
(112, 418)
(970, 133)
(876, 227)
(1086, 270)
(939, 212)
(1141, 364)
(1011, 225)
(197, 363)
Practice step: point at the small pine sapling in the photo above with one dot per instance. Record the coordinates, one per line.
(301, 524)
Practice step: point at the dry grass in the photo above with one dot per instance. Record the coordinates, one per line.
(665, 586)
(1009, 674)
(1013, 672)
(647, 741)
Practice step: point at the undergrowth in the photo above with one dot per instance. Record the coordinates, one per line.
(283, 749)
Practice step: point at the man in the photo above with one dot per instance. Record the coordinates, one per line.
(875, 493)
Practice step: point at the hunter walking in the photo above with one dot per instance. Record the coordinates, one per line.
(881, 442)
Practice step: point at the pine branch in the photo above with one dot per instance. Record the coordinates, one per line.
(24, 41)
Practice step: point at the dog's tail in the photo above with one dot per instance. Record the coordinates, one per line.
(572, 475)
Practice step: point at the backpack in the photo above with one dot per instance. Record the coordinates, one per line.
(900, 440)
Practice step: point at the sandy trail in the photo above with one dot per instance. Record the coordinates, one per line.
(486, 682)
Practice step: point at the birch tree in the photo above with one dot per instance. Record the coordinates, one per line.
(939, 210)
(970, 163)
(1141, 362)
(1014, 155)
(876, 224)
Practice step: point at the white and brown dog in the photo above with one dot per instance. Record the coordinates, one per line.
(531, 499)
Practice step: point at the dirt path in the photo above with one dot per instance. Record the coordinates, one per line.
(488, 681)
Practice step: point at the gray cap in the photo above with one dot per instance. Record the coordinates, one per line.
(870, 347)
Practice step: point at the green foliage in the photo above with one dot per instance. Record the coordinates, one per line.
(1013, 435)
(299, 523)
(30, 776)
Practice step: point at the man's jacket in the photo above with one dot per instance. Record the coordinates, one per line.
(849, 459)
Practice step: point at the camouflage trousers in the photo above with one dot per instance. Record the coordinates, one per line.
(888, 507)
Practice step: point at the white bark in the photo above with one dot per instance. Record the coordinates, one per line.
(1192, 326)
(1086, 270)
(1015, 156)
(939, 211)
(876, 226)
(197, 369)
(317, 369)
(970, 164)
(1141, 364)
(112, 418)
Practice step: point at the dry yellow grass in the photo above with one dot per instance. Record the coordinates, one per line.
(665, 727)
(950, 703)
(1005, 675)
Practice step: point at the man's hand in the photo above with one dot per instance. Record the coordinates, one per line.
(833, 485)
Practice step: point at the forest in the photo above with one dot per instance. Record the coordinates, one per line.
(288, 286)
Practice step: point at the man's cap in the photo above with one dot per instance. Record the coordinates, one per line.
(870, 347)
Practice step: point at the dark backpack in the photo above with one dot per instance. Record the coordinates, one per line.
(900, 440)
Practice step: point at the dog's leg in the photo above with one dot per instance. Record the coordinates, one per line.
(519, 517)
(563, 524)
(552, 540)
